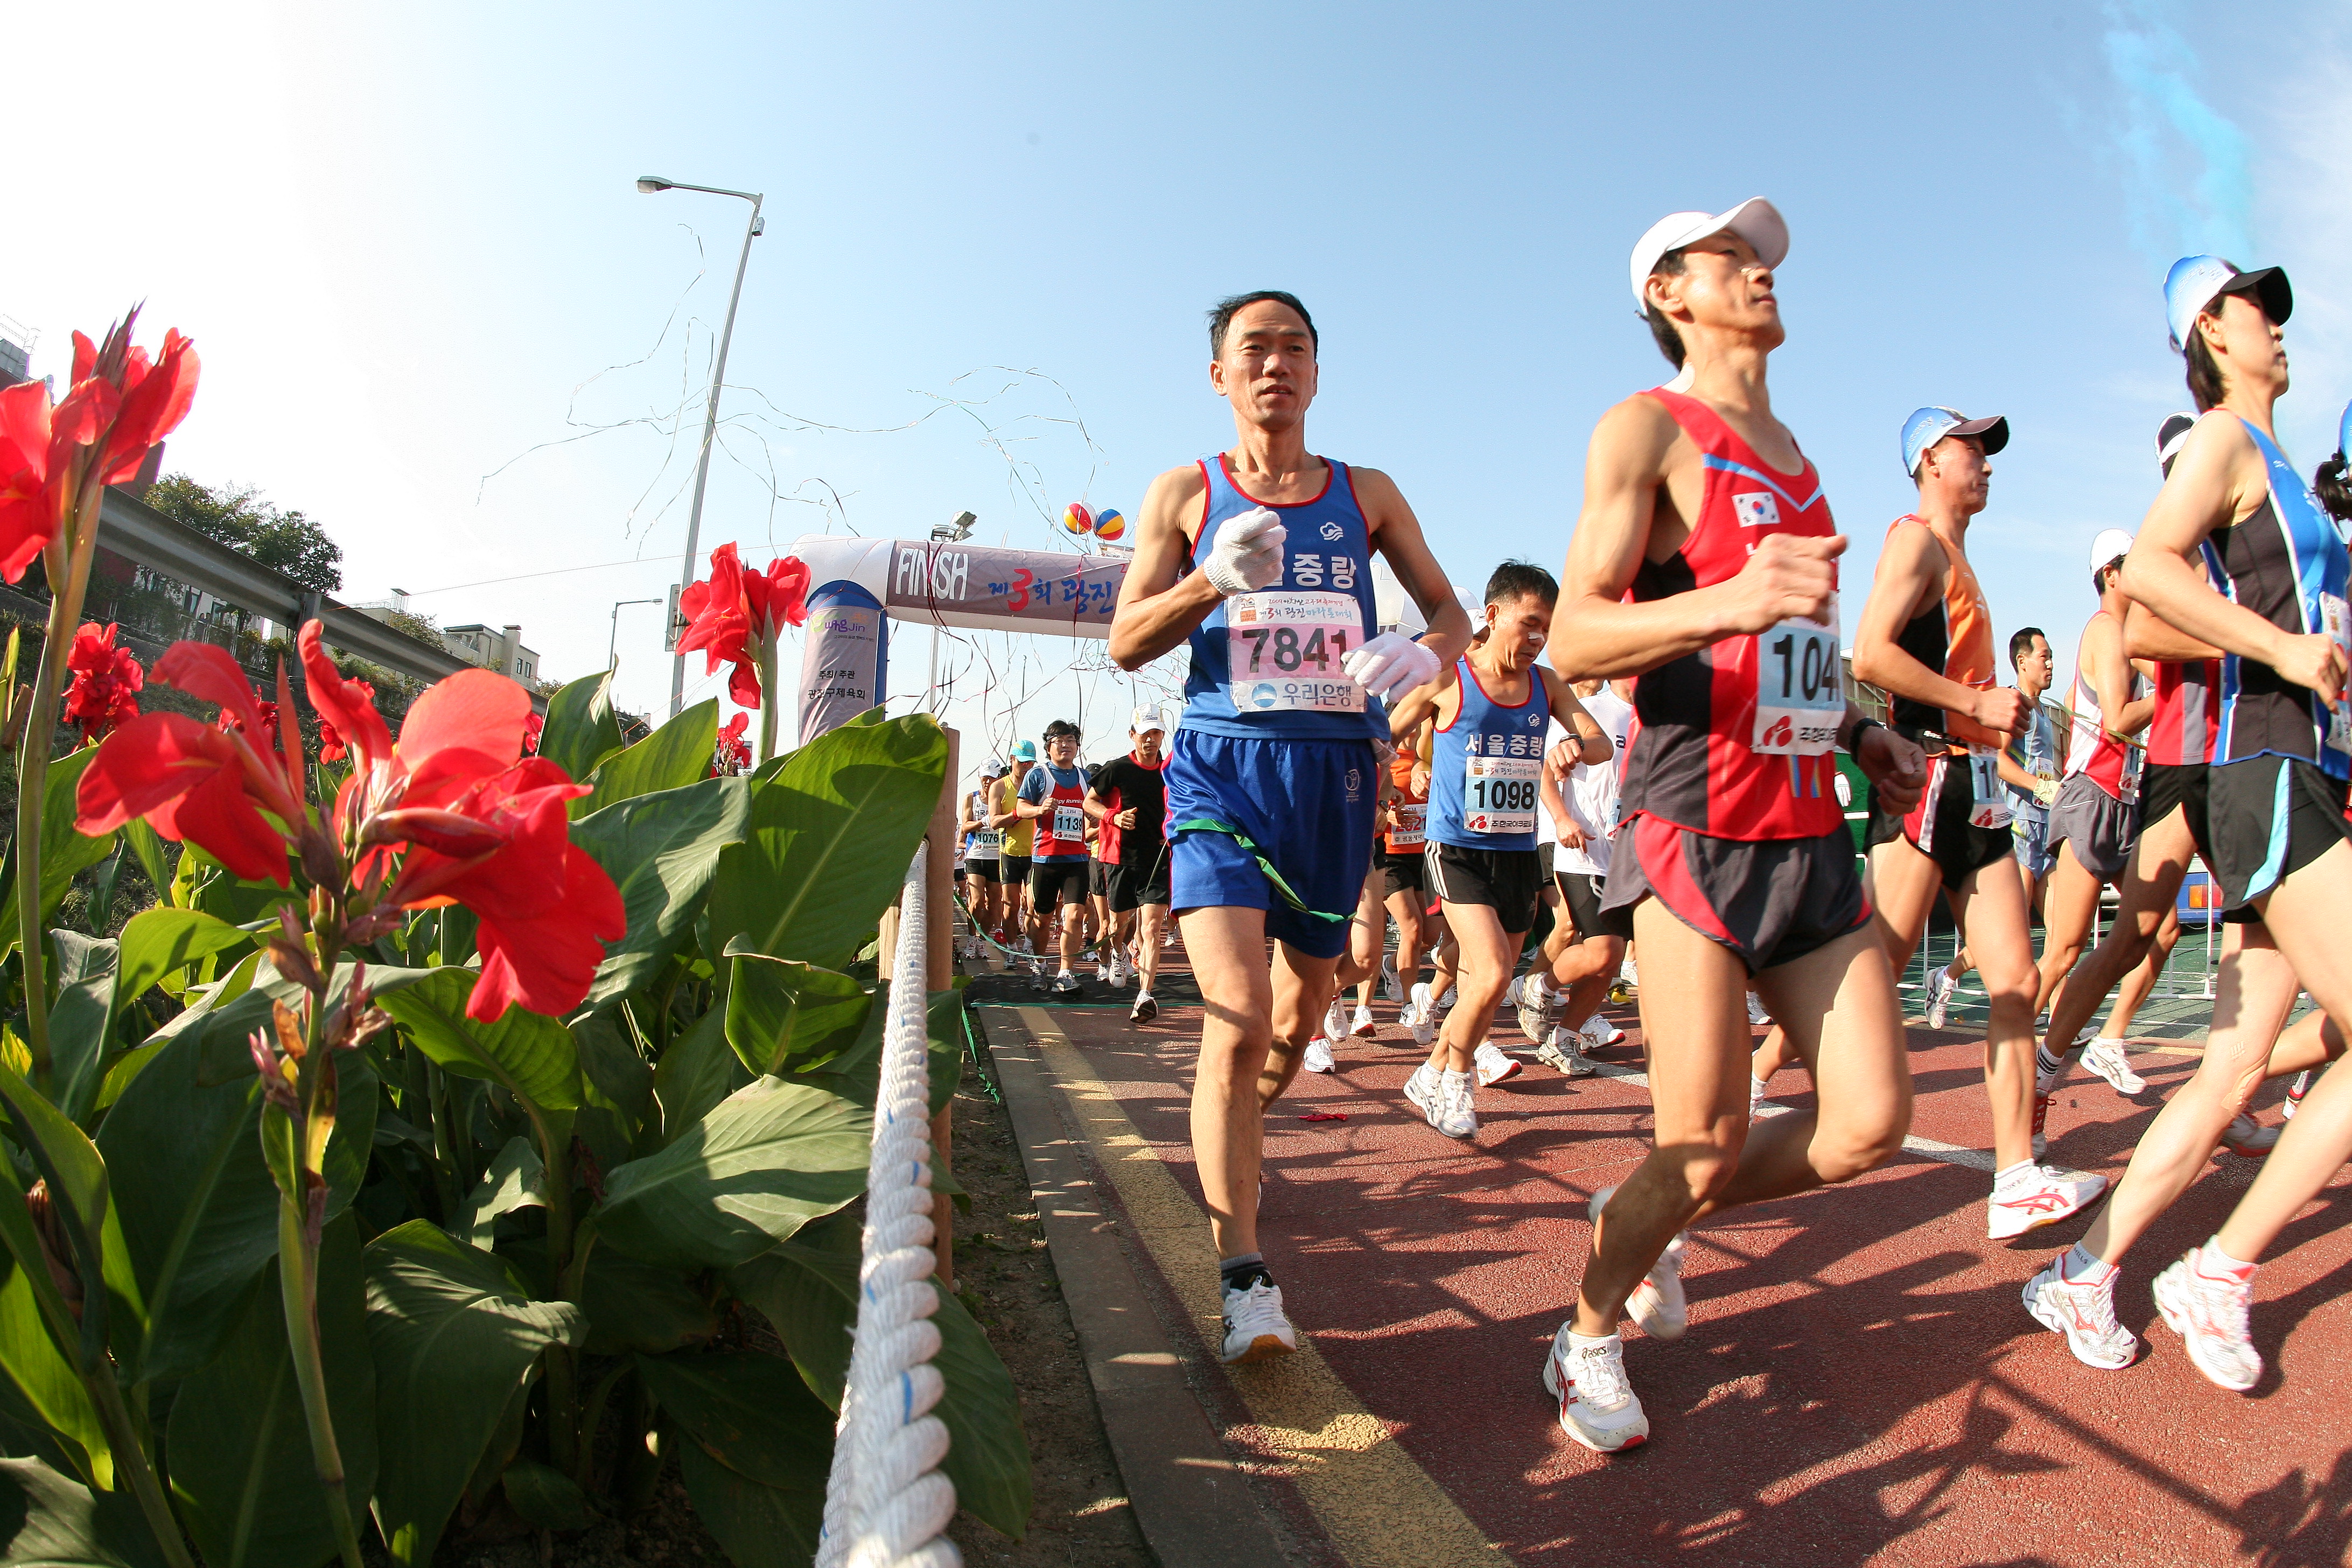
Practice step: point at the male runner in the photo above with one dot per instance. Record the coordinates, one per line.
(1130, 799)
(1705, 562)
(2096, 817)
(1493, 708)
(2029, 771)
(1261, 558)
(1020, 837)
(1053, 799)
(1400, 861)
(1925, 638)
(983, 852)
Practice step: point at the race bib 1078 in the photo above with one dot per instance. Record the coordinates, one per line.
(1283, 649)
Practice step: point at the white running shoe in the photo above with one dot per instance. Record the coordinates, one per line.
(1939, 995)
(1756, 1017)
(2295, 1091)
(1256, 1329)
(1107, 972)
(1168, 938)
(1443, 1001)
(1492, 1064)
(1598, 1032)
(1533, 1004)
(1563, 1050)
(1146, 1009)
(1628, 973)
(1363, 1023)
(1318, 1056)
(2106, 1057)
(2249, 1139)
(2210, 1316)
(2046, 1196)
(1391, 982)
(1657, 1303)
(1597, 1403)
(1335, 1020)
(1757, 1099)
(2085, 1314)
(1424, 1023)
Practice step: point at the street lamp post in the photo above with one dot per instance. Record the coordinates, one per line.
(648, 185)
(613, 653)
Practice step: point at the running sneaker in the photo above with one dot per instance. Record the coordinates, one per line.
(1427, 1091)
(1168, 938)
(1533, 1004)
(2046, 1196)
(1391, 982)
(2040, 1121)
(1564, 1049)
(1025, 950)
(1443, 1001)
(1940, 987)
(2295, 1093)
(1334, 1019)
(1364, 1025)
(1600, 1033)
(1657, 1303)
(2209, 1312)
(1318, 1056)
(1107, 971)
(2249, 1139)
(1756, 1097)
(1492, 1064)
(1423, 1022)
(1146, 1009)
(1256, 1329)
(1461, 1119)
(1756, 1017)
(2107, 1058)
(1065, 985)
(1597, 1403)
(2084, 1313)
(1627, 973)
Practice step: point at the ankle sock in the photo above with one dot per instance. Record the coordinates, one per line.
(1241, 1273)
(2016, 1176)
(2077, 1267)
(2216, 1263)
(2047, 1065)
(1577, 1341)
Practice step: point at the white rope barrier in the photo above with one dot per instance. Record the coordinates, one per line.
(886, 1503)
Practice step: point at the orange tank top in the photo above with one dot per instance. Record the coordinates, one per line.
(1953, 637)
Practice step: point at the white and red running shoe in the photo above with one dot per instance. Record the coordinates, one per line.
(2046, 1195)
(2249, 1139)
(1492, 1064)
(1597, 1406)
(2084, 1313)
(2208, 1311)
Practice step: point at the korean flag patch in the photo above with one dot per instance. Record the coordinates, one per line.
(1756, 510)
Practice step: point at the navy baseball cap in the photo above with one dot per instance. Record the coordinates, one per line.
(2196, 281)
(2173, 434)
(1928, 426)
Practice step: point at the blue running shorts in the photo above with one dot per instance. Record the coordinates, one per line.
(1305, 807)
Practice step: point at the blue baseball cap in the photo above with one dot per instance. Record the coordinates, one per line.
(2196, 281)
(2344, 432)
(1026, 752)
(1928, 426)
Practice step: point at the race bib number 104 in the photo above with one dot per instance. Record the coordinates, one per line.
(1283, 649)
(1800, 688)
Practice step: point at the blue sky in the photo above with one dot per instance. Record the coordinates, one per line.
(435, 315)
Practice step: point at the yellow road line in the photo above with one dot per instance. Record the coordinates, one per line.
(1374, 1502)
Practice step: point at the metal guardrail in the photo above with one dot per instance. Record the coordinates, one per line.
(132, 528)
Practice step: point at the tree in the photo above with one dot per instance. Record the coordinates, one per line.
(238, 517)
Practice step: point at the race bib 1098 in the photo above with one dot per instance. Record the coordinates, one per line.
(1283, 649)
(1498, 794)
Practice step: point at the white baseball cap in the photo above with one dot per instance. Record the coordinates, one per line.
(1755, 220)
(2111, 546)
(1146, 719)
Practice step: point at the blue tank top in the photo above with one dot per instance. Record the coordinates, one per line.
(1268, 664)
(2286, 563)
(1483, 775)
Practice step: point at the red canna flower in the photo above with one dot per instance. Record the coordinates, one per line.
(532, 728)
(106, 683)
(205, 784)
(733, 613)
(734, 752)
(503, 849)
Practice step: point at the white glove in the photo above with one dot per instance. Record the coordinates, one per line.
(1390, 663)
(1248, 553)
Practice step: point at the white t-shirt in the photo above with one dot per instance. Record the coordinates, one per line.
(1591, 794)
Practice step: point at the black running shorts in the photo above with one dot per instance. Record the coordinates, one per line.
(1140, 878)
(2099, 829)
(1771, 902)
(1097, 878)
(1015, 871)
(1053, 882)
(1938, 826)
(2271, 816)
(1583, 892)
(2164, 786)
(1508, 881)
(982, 870)
(1400, 873)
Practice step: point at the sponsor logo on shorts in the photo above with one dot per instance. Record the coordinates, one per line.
(1333, 530)
(1355, 783)
(1758, 509)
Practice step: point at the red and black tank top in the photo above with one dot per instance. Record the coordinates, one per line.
(2182, 731)
(1693, 758)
